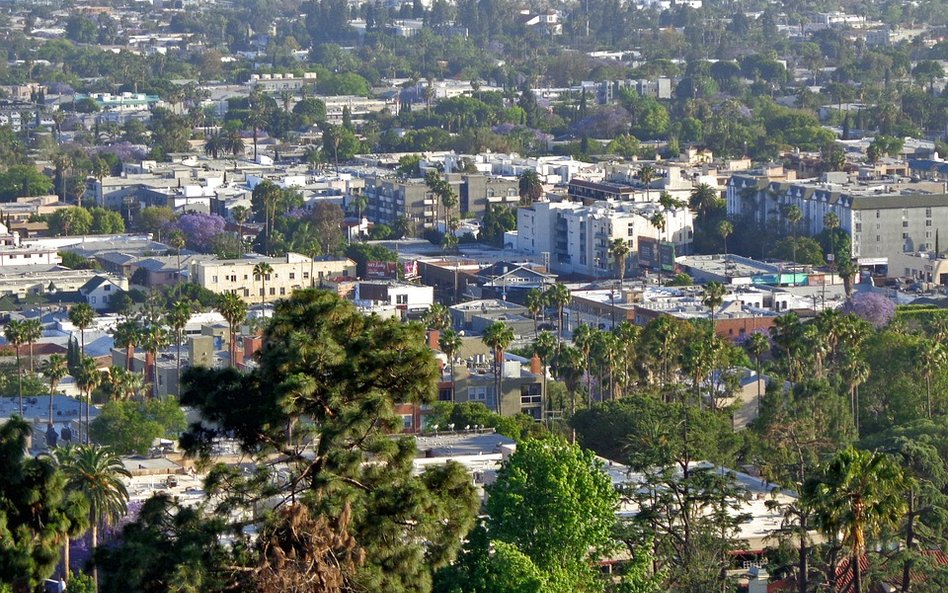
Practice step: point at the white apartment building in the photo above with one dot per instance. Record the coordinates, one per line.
(578, 238)
(292, 272)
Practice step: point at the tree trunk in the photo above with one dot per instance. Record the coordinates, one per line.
(88, 414)
(19, 381)
(178, 366)
(129, 356)
(857, 574)
(66, 574)
(95, 544)
(803, 567)
(909, 544)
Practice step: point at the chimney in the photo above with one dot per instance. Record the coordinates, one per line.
(536, 365)
(251, 345)
(433, 337)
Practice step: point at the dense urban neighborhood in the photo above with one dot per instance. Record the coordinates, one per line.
(473, 296)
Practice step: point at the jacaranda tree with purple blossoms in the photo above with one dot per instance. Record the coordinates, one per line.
(873, 307)
(200, 230)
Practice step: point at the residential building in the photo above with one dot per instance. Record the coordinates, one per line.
(23, 208)
(28, 255)
(521, 384)
(100, 291)
(733, 319)
(578, 238)
(290, 272)
(20, 281)
(885, 217)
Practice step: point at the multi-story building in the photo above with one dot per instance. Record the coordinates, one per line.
(292, 272)
(391, 198)
(884, 217)
(578, 238)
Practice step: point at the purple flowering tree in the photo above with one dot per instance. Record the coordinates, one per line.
(873, 307)
(200, 230)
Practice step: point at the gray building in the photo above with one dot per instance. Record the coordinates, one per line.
(885, 217)
(391, 198)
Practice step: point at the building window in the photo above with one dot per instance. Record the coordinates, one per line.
(107, 287)
(282, 290)
(408, 422)
(858, 227)
(92, 300)
(401, 299)
(928, 212)
(928, 222)
(877, 214)
(272, 291)
(477, 394)
(292, 275)
(214, 279)
(905, 224)
(305, 275)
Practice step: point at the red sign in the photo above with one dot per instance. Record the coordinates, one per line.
(380, 269)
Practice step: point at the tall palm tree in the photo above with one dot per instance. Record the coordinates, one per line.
(55, 368)
(13, 332)
(177, 319)
(154, 338)
(858, 496)
(125, 385)
(713, 298)
(570, 366)
(930, 360)
(756, 345)
(81, 316)
(262, 271)
(536, 303)
(498, 336)
(545, 346)
(558, 295)
(234, 311)
(619, 250)
(725, 229)
(704, 199)
(127, 334)
(583, 340)
(32, 332)
(530, 187)
(177, 241)
(787, 333)
(240, 214)
(87, 379)
(96, 472)
(450, 343)
(646, 175)
(794, 216)
(215, 144)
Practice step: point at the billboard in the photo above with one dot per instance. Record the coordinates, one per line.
(410, 269)
(654, 254)
(380, 269)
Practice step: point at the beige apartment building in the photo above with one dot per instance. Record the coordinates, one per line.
(289, 273)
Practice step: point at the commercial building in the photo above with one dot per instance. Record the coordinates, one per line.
(289, 273)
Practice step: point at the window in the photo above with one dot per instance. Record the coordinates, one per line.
(305, 275)
(408, 422)
(282, 290)
(401, 299)
(905, 223)
(292, 275)
(107, 287)
(214, 279)
(858, 227)
(477, 394)
(905, 235)
(877, 214)
(92, 300)
(928, 222)
(530, 394)
(928, 212)
(272, 291)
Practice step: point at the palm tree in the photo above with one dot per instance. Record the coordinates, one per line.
(81, 316)
(234, 311)
(55, 368)
(558, 296)
(530, 187)
(930, 360)
(831, 221)
(127, 334)
(96, 472)
(233, 144)
(32, 331)
(177, 319)
(545, 346)
(535, 302)
(704, 199)
(13, 332)
(794, 216)
(787, 333)
(176, 240)
(713, 298)
(756, 345)
(125, 385)
(154, 338)
(619, 250)
(725, 229)
(570, 366)
(450, 343)
(261, 272)
(647, 174)
(498, 336)
(583, 339)
(88, 378)
(858, 495)
(215, 144)
(437, 317)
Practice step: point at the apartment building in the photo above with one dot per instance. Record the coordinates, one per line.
(885, 217)
(391, 198)
(292, 272)
(578, 238)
